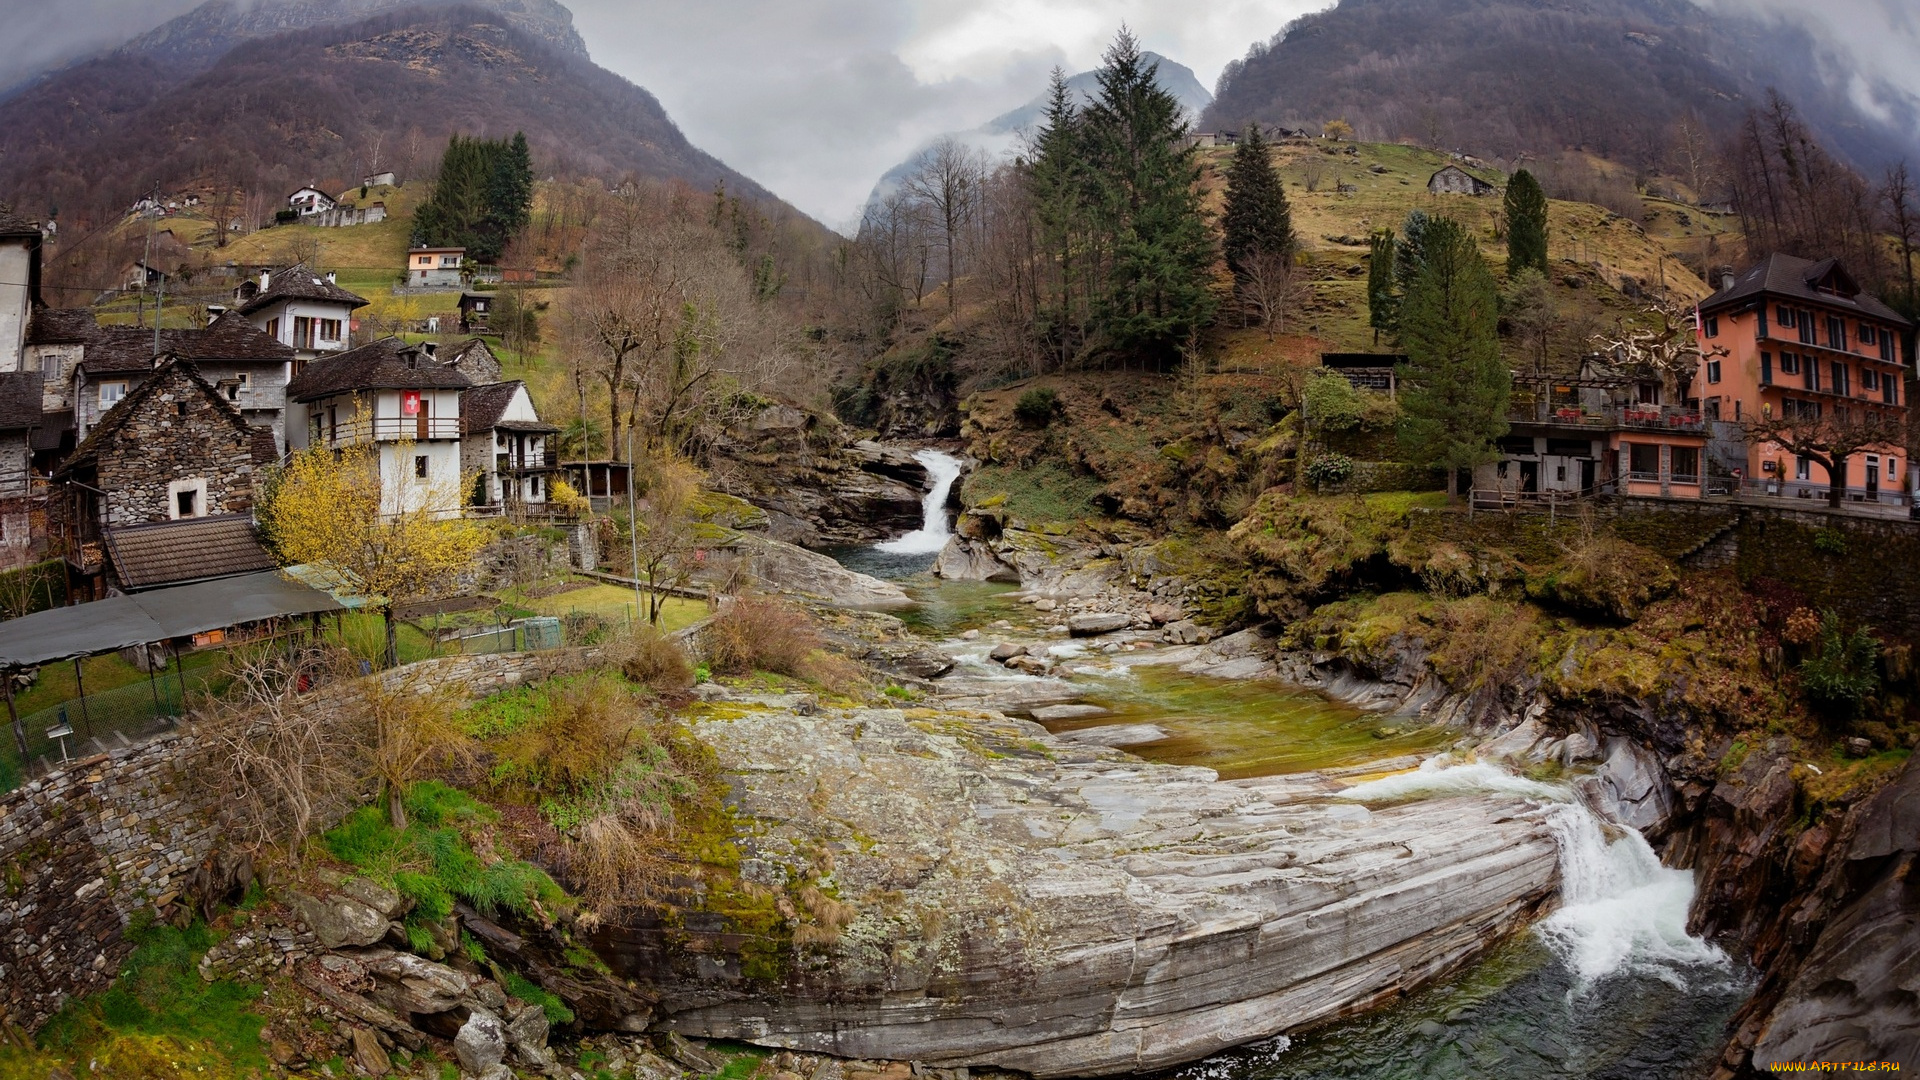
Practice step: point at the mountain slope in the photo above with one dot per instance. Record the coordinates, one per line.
(1512, 77)
(194, 41)
(320, 103)
(1004, 133)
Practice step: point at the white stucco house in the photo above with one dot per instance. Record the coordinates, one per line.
(435, 268)
(309, 201)
(399, 397)
(19, 285)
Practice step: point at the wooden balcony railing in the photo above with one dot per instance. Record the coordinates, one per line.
(393, 429)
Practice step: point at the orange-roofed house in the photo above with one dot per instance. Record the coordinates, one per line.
(1795, 337)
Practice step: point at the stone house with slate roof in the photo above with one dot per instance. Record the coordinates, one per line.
(506, 446)
(19, 284)
(22, 502)
(301, 308)
(173, 448)
(1454, 180)
(401, 398)
(167, 553)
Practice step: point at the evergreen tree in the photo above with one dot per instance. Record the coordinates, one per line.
(509, 196)
(1143, 193)
(483, 197)
(1383, 305)
(1256, 220)
(1056, 182)
(1455, 387)
(1409, 255)
(1526, 207)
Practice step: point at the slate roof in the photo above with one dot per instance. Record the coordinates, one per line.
(116, 418)
(482, 406)
(12, 224)
(19, 400)
(117, 349)
(297, 282)
(193, 549)
(53, 430)
(387, 364)
(1793, 278)
(62, 326)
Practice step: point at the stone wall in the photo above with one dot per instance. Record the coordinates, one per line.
(178, 430)
(86, 848)
(1860, 567)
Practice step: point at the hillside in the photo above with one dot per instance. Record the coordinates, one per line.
(1517, 77)
(322, 103)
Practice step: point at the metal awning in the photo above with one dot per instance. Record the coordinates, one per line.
(122, 622)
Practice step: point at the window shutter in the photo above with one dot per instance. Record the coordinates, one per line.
(1766, 368)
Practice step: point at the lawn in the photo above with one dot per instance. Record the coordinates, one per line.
(614, 603)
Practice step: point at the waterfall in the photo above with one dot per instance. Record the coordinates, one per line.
(1621, 911)
(932, 534)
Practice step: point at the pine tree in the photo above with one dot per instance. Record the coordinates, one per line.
(1383, 305)
(1256, 220)
(1144, 198)
(1454, 386)
(1057, 184)
(1526, 207)
(1410, 255)
(509, 197)
(483, 197)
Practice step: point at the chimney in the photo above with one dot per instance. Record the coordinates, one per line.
(1726, 278)
(330, 280)
(265, 279)
(214, 311)
(431, 348)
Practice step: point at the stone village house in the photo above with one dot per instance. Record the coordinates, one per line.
(401, 398)
(175, 448)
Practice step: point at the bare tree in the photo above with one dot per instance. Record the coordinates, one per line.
(1829, 436)
(1903, 219)
(1271, 286)
(947, 181)
(1666, 346)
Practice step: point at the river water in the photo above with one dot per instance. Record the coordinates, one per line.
(1608, 987)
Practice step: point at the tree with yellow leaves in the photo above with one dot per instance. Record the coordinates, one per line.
(325, 508)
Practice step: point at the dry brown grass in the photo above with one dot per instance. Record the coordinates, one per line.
(652, 659)
(757, 633)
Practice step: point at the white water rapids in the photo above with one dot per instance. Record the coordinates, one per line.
(1621, 911)
(932, 534)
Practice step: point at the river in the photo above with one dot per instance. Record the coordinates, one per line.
(1610, 986)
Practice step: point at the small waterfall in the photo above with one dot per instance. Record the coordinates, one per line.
(1621, 911)
(932, 534)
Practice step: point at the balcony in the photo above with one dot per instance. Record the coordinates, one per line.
(394, 429)
(526, 463)
(1660, 418)
(1611, 418)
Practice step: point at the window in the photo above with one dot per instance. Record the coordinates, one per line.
(420, 467)
(329, 329)
(1887, 348)
(1736, 410)
(187, 498)
(1766, 368)
(1643, 461)
(533, 483)
(1803, 322)
(1786, 317)
(273, 329)
(186, 504)
(1841, 380)
(1890, 389)
(1713, 371)
(1789, 363)
(1867, 335)
(1802, 468)
(111, 393)
(1836, 333)
(1713, 326)
(1869, 379)
(303, 332)
(1813, 373)
(179, 408)
(1711, 407)
(1686, 464)
(50, 368)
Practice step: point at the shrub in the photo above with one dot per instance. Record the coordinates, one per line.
(1036, 407)
(585, 628)
(585, 727)
(760, 634)
(1606, 576)
(1842, 674)
(1329, 469)
(565, 500)
(1829, 542)
(1332, 403)
(651, 658)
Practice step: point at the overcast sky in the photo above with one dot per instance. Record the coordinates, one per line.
(816, 98)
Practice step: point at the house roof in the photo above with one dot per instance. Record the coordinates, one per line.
(1794, 278)
(467, 298)
(19, 400)
(298, 282)
(482, 407)
(122, 349)
(435, 250)
(1445, 169)
(62, 326)
(12, 224)
(53, 430)
(387, 364)
(108, 429)
(193, 549)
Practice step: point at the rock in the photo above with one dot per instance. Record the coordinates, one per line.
(1006, 651)
(528, 1033)
(815, 576)
(966, 560)
(1859, 747)
(1028, 665)
(912, 658)
(1164, 914)
(368, 1053)
(413, 984)
(1115, 735)
(481, 1042)
(496, 1071)
(1046, 603)
(391, 905)
(1162, 614)
(1631, 787)
(339, 921)
(1094, 624)
(1185, 632)
(1051, 714)
(969, 635)
(697, 1058)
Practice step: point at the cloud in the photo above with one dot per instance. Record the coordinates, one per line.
(816, 98)
(1868, 45)
(43, 33)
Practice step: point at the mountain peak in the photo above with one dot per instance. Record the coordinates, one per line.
(197, 39)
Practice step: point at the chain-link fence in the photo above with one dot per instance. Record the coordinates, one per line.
(99, 721)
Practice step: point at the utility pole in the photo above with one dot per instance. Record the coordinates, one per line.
(633, 525)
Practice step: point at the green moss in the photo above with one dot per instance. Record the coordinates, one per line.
(1040, 492)
(533, 994)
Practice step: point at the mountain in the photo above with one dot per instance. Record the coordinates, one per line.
(279, 108)
(1511, 77)
(1005, 133)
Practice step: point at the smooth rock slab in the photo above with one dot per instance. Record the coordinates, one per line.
(1053, 714)
(1093, 624)
(1067, 910)
(1115, 735)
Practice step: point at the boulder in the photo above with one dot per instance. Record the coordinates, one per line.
(339, 921)
(1186, 632)
(527, 1032)
(1053, 714)
(913, 659)
(1095, 623)
(1028, 665)
(1115, 735)
(813, 576)
(481, 1042)
(697, 1058)
(1006, 651)
(390, 904)
(966, 560)
(1631, 787)
(413, 984)
(368, 1054)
